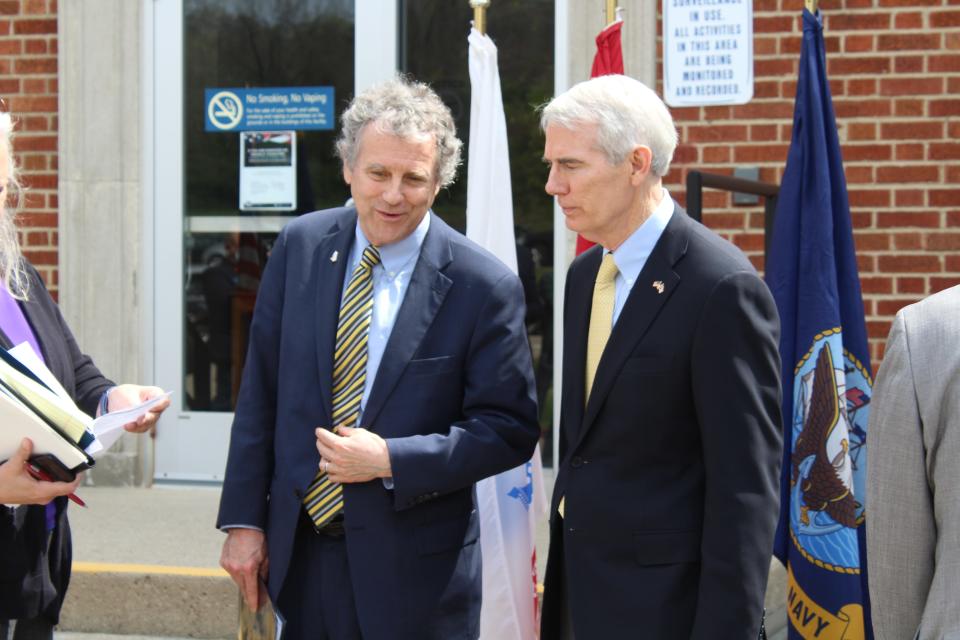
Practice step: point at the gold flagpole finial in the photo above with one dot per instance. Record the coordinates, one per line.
(480, 14)
(811, 5)
(611, 11)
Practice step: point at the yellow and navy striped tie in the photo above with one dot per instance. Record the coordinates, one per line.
(324, 498)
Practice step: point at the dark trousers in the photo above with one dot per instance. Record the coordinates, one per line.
(317, 594)
(566, 624)
(30, 629)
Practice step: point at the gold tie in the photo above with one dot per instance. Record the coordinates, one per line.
(601, 318)
(601, 323)
(324, 498)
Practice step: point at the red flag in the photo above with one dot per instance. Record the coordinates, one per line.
(609, 58)
(607, 61)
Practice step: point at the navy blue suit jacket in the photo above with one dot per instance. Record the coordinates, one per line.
(671, 470)
(454, 398)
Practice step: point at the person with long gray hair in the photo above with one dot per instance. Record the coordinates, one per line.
(35, 548)
(388, 371)
(666, 495)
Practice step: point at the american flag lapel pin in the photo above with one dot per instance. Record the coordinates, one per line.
(658, 285)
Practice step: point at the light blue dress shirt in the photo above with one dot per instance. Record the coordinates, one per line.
(633, 253)
(390, 281)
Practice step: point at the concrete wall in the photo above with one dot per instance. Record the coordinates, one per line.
(588, 18)
(99, 186)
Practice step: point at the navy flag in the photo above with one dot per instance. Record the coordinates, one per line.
(812, 271)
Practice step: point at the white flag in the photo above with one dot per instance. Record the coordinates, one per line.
(489, 198)
(511, 503)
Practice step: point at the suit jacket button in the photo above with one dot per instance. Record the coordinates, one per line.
(298, 494)
(576, 462)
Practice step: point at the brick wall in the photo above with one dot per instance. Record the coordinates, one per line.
(894, 69)
(28, 85)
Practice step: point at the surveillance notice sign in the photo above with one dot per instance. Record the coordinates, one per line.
(707, 52)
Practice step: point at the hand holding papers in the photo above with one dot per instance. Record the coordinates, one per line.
(34, 405)
(126, 397)
(110, 426)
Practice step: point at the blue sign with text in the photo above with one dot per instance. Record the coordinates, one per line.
(269, 109)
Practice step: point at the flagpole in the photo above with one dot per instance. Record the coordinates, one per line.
(612, 11)
(480, 15)
(811, 5)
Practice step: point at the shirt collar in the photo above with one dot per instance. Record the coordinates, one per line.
(633, 253)
(396, 255)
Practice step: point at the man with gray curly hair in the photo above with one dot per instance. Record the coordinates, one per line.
(388, 371)
(666, 495)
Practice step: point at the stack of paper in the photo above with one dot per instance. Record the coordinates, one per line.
(28, 408)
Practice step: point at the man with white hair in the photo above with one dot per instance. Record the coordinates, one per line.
(666, 496)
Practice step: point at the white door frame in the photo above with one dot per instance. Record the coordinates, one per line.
(192, 446)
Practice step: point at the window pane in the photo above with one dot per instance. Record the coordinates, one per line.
(248, 44)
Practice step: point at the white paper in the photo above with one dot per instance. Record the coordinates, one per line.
(106, 429)
(31, 360)
(109, 427)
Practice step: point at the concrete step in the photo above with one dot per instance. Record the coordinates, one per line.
(146, 565)
(77, 635)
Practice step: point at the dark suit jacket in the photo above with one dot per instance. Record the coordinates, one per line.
(671, 472)
(453, 396)
(33, 579)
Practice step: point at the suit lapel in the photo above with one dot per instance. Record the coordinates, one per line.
(427, 289)
(577, 303)
(645, 301)
(329, 278)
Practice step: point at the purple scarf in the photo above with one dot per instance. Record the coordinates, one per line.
(15, 325)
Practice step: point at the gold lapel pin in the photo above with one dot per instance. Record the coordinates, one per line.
(658, 285)
(333, 256)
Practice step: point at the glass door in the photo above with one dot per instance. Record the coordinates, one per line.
(246, 99)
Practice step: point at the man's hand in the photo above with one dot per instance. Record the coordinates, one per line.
(353, 455)
(17, 486)
(125, 396)
(244, 557)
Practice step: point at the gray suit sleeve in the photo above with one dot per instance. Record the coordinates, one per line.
(901, 531)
